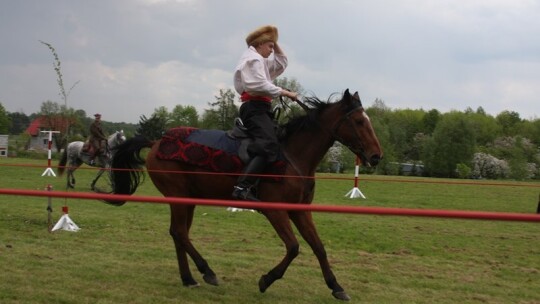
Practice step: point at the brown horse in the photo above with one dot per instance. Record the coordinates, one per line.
(304, 142)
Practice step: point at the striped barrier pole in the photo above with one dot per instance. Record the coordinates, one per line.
(355, 192)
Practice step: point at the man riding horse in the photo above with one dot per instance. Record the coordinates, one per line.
(253, 81)
(97, 139)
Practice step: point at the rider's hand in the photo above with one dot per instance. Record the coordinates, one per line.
(289, 94)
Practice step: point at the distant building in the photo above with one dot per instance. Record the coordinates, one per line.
(39, 140)
(409, 168)
(4, 145)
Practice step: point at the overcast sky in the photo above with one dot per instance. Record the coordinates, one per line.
(132, 56)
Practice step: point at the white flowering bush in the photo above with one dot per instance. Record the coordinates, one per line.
(334, 153)
(532, 170)
(488, 166)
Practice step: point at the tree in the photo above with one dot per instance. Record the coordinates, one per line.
(404, 125)
(153, 127)
(5, 121)
(223, 112)
(486, 127)
(67, 114)
(430, 121)
(531, 130)
(453, 142)
(289, 108)
(184, 116)
(520, 153)
(81, 124)
(19, 123)
(55, 117)
(509, 122)
(289, 84)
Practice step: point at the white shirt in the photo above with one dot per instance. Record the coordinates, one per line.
(254, 73)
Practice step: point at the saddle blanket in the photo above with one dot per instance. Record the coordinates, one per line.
(213, 150)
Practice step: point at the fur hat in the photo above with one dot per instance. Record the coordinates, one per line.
(261, 35)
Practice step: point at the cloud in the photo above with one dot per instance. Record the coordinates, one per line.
(134, 56)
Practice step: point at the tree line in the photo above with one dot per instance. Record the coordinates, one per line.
(468, 144)
(457, 144)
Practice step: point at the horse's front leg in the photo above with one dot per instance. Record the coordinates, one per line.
(282, 225)
(181, 219)
(304, 222)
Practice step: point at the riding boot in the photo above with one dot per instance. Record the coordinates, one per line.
(243, 188)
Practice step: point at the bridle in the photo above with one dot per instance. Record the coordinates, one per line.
(335, 130)
(335, 134)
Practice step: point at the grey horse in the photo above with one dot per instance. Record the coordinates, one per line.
(74, 157)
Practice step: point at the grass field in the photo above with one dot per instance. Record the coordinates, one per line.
(125, 255)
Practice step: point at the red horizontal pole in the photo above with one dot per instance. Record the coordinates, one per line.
(479, 215)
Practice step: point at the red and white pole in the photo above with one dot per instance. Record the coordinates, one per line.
(65, 222)
(355, 192)
(49, 171)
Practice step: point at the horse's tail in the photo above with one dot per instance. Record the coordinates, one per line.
(62, 163)
(126, 165)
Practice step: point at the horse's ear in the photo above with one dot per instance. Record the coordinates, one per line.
(357, 97)
(346, 94)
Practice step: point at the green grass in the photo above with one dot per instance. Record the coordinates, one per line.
(125, 255)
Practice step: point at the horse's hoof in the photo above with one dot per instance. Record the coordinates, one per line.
(190, 283)
(262, 284)
(341, 295)
(211, 279)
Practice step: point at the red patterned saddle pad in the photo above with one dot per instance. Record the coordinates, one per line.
(209, 149)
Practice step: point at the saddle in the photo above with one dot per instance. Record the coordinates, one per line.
(214, 150)
(90, 150)
(240, 133)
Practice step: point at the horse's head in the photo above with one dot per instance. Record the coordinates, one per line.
(120, 136)
(116, 139)
(353, 129)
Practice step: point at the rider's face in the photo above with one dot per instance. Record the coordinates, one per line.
(265, 49)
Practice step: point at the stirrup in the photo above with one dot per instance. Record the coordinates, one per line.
(245, 194)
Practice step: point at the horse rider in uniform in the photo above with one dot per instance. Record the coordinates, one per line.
(97, 138)
(253, 78)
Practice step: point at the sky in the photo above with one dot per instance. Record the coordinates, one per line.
(125, 58)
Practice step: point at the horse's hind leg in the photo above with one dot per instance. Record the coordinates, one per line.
(181, 219)
(70, 178)
(73, 165)
(282, 225)
(306, 227)
(93, 184)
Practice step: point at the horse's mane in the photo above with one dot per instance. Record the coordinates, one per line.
(306, 121)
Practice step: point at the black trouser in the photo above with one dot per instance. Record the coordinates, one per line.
(258, 118)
